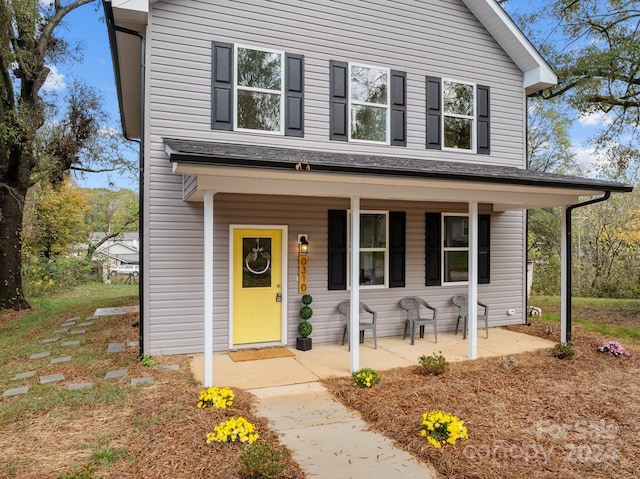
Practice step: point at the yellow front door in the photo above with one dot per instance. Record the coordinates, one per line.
(257, 278)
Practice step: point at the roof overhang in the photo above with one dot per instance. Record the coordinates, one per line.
(126, 26)
(538, 75)
(236, 168)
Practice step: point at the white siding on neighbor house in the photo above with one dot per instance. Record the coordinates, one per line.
(438, 38)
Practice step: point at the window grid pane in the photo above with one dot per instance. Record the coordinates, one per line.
(456, 266)
(258, 111)
(258, 69)
(368, 123)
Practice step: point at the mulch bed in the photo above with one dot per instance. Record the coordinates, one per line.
(535, 417)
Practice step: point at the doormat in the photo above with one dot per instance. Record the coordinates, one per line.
(255, 354)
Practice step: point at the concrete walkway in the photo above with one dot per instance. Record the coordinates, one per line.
(327, 439)
(330, 441)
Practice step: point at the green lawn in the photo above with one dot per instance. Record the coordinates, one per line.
(618, 318)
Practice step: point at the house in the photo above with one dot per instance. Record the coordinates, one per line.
(391, 135)
(123, 249)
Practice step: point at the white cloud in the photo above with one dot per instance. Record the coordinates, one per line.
(55, 80)
(588, 160)
(597, 118)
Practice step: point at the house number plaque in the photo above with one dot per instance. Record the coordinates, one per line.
(303, 262)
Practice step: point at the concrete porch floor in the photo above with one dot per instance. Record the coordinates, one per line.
(331, 359)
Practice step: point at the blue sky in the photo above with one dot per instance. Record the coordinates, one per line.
(86, 26)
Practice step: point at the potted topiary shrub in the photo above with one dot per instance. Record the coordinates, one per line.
(303, 343)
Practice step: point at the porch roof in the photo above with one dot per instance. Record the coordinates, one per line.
(508, 187)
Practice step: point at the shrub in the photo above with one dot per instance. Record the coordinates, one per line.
(563, 351)
(441, 428)
(232, 430)
(434, 364)
(614, 348)
(306, 312)
(306, 299)
(365, 378)
(220, 398)
(261, 460)
(305, 329)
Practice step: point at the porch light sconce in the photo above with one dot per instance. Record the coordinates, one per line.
(303, 245)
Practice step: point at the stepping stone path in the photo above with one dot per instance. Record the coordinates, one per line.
(115, 347)
(139, 381)
(44, 354)
(63, 359)
(77, 386)
(65, 328)
(51, 378)
(169, 367)
(16, 391)
(118, 373)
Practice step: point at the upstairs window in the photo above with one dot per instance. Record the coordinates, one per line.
(458, 101)
(458, 116)
(259, 90)
(369, 103)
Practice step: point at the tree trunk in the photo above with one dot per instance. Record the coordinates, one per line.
(11, 213)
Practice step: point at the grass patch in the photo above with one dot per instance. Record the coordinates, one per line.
(615, 318)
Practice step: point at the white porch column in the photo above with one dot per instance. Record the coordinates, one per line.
(564, 276)
(472, 319)
(354, 327)
(208, 288)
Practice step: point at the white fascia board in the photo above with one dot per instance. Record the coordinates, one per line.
(538, 75)
(502, 197)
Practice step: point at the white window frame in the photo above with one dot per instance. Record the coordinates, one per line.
(449, 249)
(473, 118)
(237, 87)
(375, 105)
(369, 250)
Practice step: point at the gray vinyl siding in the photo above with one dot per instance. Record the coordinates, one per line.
(437, 38)
(177, 298)
(421, 38)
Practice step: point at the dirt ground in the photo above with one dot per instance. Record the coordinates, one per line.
(534, 416)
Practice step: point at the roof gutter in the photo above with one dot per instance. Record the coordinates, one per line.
(568, 259)
(112, 28)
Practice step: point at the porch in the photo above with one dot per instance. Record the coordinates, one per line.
(332, 359)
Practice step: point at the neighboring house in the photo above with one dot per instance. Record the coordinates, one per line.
(267, 120)
(123, 249)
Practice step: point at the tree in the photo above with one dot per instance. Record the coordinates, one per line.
(54, 218)
(111, 212)
(36, 142)
(593, 45)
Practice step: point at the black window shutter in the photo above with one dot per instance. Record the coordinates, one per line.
(434, 113)
(484, 132)
(433, 248)
(484, 243)
(294, 95)
(398, 108)
(339, 100)
(337, 267)
(222, 86)
(397, 240)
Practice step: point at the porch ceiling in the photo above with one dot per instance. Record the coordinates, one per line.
(238, 168)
